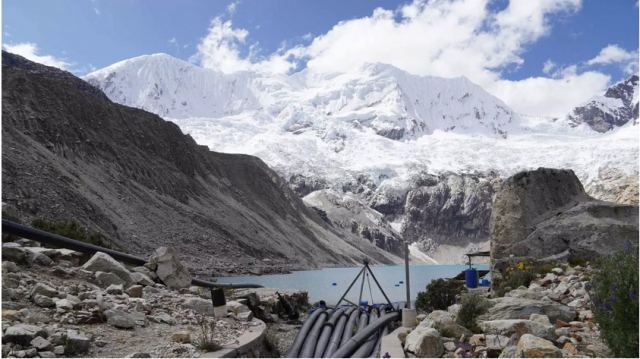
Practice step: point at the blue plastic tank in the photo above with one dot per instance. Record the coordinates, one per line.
(471, 278)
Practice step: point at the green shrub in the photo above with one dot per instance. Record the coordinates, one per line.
(517, 275)
(614, 299)
(472, 305)
(576, 261)
(439, 294)
(72, 229)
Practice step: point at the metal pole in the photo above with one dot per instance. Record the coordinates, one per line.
(406, 271)
(364, 274)
(350, 285)
(378, 284)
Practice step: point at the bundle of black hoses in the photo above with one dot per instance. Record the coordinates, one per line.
(342, 333)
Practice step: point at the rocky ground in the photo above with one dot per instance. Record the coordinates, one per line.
(54, 304)
(550, 318)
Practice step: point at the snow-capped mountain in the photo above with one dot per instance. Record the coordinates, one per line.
(170, 87)
(391, 102)
(403, 145)
(615, 108)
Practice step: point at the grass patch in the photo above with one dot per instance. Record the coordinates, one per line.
(205, 340)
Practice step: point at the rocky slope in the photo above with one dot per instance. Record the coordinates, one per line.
(547, 214)
(60, 303)
(617, 107)
(70, 153)
(549, 319)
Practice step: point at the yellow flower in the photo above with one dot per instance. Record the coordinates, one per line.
(521, 265)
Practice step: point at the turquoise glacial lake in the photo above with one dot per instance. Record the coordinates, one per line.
(320, 283)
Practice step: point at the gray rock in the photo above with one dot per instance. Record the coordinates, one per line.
(146, 271)
(105, 263)
(76, 342)
(43, 289)
(40, 343)
(522, 308)
(47, 354)
(142, 279)
(22, 334)
(163, 318)
(39, 259)
(43, 301)
(509, 352)
(9, 267)
(245, 316)
(64, 305)
(424, 343)
(120, 319)
(530, 346)
(115, 289)
(135, 291)
(169, 268)
(106, 279)
(199, 305)
(13, 252)
(508, 327)
(58, 350)
(139, 355)
(546, 213)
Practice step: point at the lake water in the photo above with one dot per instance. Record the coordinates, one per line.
(319, 283)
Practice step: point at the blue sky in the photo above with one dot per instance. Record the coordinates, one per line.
(510, 48)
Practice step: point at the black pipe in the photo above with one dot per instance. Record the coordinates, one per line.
(56, 240)
(365, 349)
(309, 346)
(328, 328)
(294, 350)
(336, 336)
(346, 349)
(349, 328)
(376, 348)
(364, 320)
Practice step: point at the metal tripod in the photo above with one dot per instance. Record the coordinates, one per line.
(363, 272)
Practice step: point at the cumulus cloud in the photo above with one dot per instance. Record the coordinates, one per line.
(220, 49)
(548, 67)
(612, 54)
(447, 38)
(30, 51)
(232, 7)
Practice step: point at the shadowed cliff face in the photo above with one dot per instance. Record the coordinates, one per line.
(546, 214)
(70, 153)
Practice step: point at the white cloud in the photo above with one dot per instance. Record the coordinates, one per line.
(232, 7)
(548, 67)
(447, 38)
(30, 51)
(612, 54)
(220, 50)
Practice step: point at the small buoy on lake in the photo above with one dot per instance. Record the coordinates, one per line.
(334, 284)
(397, 285)
(401, 282)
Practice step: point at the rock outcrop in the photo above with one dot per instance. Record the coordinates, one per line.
(546, 214)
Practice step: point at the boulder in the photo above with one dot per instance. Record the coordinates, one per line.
(424, 343)
(163, 318)
(39, 259)
(43, 301)
(64, 305)
(509, 352)
(9, 267)
(114, 289)
(105, 263)
(43, 289)
(23, 334)
(76, 342)
(142, 279)
(531, 346)
(13, 252)
(106, 279)
(547, 213)
(245, 316)
(146, 271)
(40, 343)
(120, 319)
(199, 305)
(169, 269)
(183, 336)
(522, 308)
(517, 326)
(135, 291)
